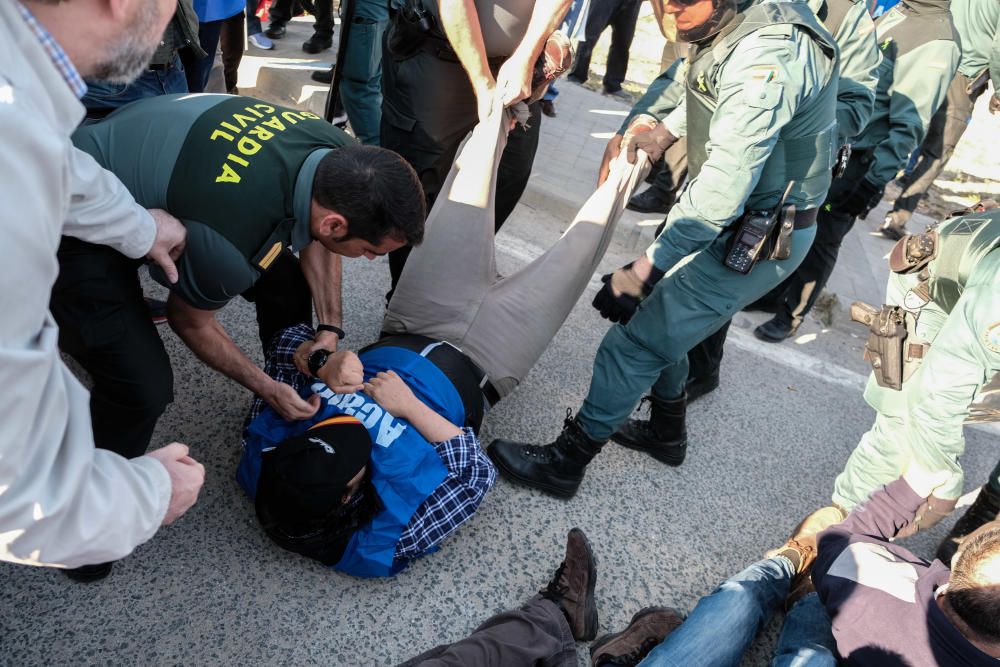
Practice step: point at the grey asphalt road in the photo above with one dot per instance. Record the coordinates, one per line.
(211, 589)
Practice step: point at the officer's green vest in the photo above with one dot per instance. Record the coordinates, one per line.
(237, 167)
(800, 153)
(832, 13)
(962, 243)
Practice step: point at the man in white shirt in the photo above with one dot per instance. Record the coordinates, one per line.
(63, 502)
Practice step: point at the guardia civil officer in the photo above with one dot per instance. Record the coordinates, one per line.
(252, 182)
(920, 53)
(759, 114)
(978, 24)
(850, 24)
(944, 293)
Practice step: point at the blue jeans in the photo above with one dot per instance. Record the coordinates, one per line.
(723, 624)
(104, 96)
(253, 21)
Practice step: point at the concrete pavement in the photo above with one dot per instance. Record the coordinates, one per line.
(212, 590)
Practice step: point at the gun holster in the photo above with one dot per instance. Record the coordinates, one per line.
(894, 358)
(409, 27)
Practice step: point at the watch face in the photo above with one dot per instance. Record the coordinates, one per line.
(317, 359)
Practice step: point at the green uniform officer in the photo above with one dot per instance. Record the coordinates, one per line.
(849, 23)
(253, 183)
(945, 291)
(852, 28)
(920, 52)
(759, 114)
(978, 24)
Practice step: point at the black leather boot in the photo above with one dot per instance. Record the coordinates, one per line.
(663, 436)
(985, 509)
(556, 468)
(696, 387)
(775, 330)
(651, 200)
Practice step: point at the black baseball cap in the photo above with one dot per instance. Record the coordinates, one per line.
(302, 483)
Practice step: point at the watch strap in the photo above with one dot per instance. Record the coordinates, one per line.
(332, 329)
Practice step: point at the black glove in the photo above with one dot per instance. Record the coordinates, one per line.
(622, 292)
(862, 199)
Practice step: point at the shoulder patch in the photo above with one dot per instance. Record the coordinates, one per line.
(991, 337)
(776, 31)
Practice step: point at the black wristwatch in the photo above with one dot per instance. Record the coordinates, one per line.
(316, 361)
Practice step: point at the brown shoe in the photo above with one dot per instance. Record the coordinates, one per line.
(647, 630)
(800, 548)
(572, 586)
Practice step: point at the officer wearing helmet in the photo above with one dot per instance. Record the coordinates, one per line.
(759, 117)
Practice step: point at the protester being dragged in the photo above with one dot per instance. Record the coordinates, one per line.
(383, 475)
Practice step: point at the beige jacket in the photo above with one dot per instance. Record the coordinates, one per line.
(62, 502)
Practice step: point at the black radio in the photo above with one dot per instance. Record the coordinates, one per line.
(755, 240)
(749, 241)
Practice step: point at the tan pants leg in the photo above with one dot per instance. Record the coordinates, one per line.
(449, 289)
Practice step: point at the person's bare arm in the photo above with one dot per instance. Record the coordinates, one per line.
(513, 82)
(209, 341)
(389, 391)
(460, 22)
(323, 271)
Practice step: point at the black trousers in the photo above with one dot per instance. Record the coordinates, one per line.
(281, 13)
(282, 298)
(621, 15)
(428, 108)
(104, 324)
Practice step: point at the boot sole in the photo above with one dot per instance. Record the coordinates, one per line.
(669, 458)
(590, 631)
(607, 639)
(767, 338)
(532, 484)
(647, 209)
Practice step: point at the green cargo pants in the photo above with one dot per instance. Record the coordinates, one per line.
(691, 302)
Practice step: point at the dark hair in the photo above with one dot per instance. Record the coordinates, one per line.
(375, 190)
(974, 599)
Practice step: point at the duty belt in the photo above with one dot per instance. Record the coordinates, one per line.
(805, 219)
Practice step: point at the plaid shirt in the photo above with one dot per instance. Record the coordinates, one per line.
(470, 473)
(58, 56)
